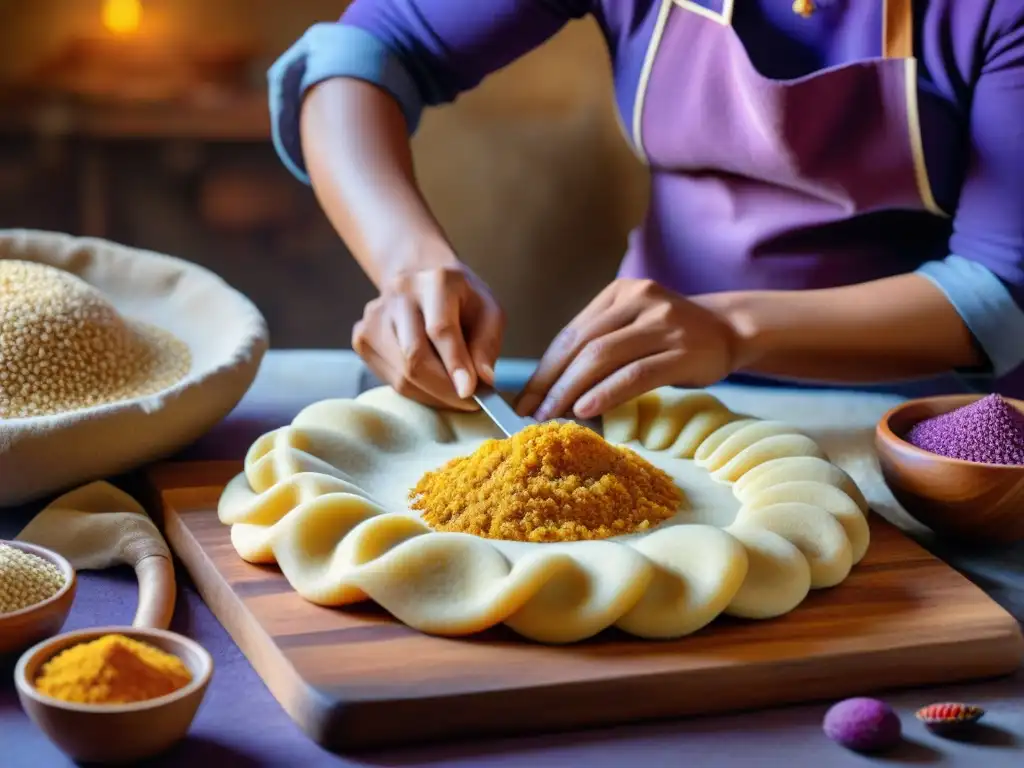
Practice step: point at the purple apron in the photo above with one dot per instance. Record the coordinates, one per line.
(760, 183)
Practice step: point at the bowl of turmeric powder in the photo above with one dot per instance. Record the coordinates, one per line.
(113, 695)
(37, 587)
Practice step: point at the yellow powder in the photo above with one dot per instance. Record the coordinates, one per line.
(550, 482)
(64, 347)
(112, 669)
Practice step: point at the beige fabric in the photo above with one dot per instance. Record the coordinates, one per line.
(99, 526)
(96, 526)
(226, 334)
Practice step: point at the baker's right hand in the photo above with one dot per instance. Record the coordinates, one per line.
(432, 334)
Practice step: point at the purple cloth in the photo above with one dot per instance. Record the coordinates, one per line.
(241, 725)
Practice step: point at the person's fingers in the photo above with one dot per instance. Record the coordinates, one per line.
(598, 360)
(409, 330)
(632, 380)
(441, 306)
(418, 361)
(386, 371)
(375, 340)
(485, 337)
(365, 328)
(588, 325)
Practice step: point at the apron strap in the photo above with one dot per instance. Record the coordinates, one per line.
(898, 29)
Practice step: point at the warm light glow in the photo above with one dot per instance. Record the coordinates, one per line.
(122, 16)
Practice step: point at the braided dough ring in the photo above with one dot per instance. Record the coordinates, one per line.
(765, 519)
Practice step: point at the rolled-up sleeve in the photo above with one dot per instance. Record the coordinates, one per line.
(421, 52)
(984, 278)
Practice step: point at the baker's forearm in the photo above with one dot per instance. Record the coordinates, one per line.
(356, 146)
(888, 329)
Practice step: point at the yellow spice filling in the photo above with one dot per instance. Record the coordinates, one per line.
(550, 482)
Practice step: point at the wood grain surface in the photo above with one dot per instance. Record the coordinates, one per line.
(356, 678)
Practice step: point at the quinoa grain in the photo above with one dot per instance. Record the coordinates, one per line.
(64, 347)
(26, 579)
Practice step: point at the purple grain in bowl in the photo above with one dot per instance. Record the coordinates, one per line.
(955, 464)
(988, 431)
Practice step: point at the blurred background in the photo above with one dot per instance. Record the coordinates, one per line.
(146, 122)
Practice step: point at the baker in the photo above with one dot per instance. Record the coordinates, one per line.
(837, 191)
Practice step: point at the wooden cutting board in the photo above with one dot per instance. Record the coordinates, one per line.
(356, 678)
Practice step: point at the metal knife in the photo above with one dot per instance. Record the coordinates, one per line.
(501, 413)
(510, 422)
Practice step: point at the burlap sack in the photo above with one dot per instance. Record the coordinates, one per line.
(226, 336)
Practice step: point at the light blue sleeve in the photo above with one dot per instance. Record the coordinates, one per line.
(331, 50)
(986, 306)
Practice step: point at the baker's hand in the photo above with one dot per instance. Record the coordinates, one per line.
(431, 335)
(635, 336)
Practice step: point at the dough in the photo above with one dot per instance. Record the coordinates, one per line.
(778, 575)
(818, 536)
(799, 468)
(765, 519)
(698, 569)
(833, 500)
(592, 587)
(738, 440)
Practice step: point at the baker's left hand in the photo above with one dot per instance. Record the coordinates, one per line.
(633, 337)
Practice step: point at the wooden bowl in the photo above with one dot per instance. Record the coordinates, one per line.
(24, 628)
(983, 503)
(115, 733)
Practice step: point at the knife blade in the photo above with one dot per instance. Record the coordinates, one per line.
(500, 412)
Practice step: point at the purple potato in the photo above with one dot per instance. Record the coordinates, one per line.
(863, 725)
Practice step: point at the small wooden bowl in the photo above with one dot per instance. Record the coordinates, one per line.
(977, 502)
(22, 629)
(115, 733)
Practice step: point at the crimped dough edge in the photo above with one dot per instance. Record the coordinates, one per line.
(300, 503)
